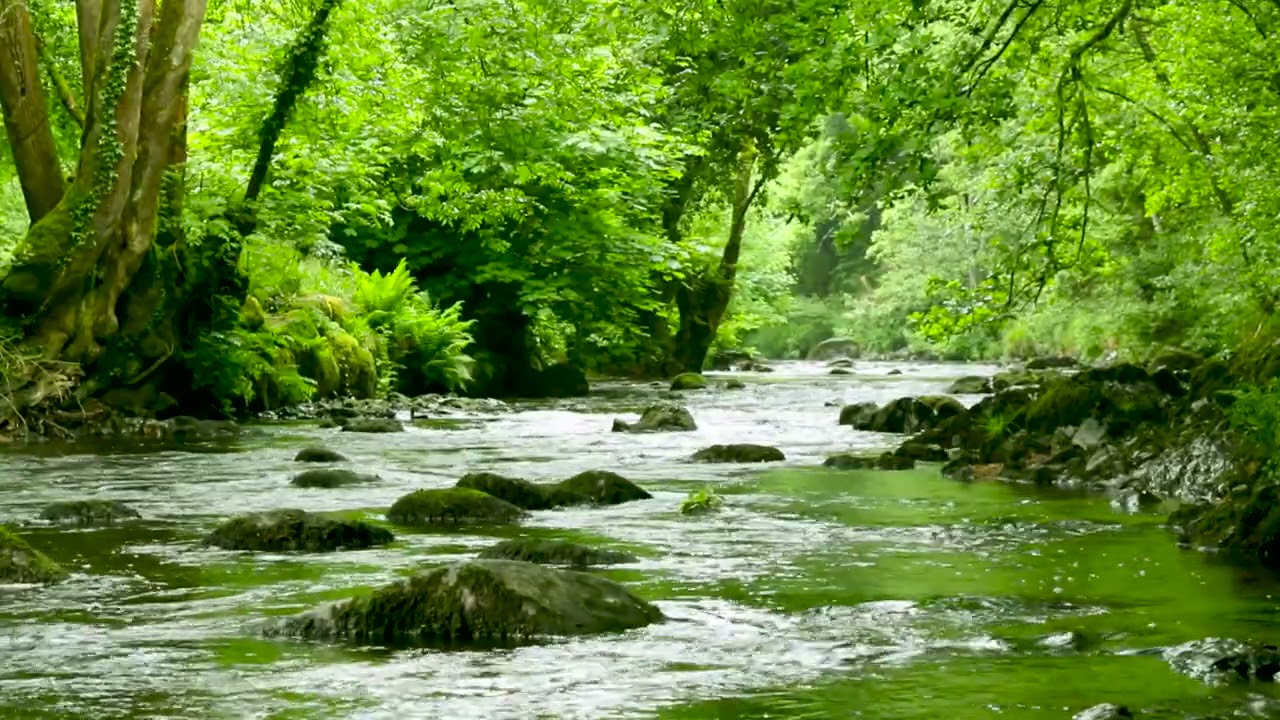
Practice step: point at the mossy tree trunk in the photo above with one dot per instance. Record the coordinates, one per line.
(703, 299)
(75, 279)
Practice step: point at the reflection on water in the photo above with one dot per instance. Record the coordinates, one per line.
(813, 594)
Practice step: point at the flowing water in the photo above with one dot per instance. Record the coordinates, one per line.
(813, 594)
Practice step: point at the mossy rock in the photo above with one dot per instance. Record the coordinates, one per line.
(1175, 359)
(319, 454)
(1048, 363)
(921, 452)
(518, 492)
(356, 363)
(883, 461)
(554, 552)
(88, 512)
(21, 563)
(295, 530)
(659, 418)
(447, 507)
(970, 385)
(840, 371)
(1245, 524)
(372, 425)
(597, 487)
(833, 348)
(739, 453)
(251, 313)
(688, 381)
(943, 407)
(734, 384)
(904, 415)
(330, 478)
(1018, 378)
(481, 602)
(858, 414)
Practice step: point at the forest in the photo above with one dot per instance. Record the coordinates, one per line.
(236, 206)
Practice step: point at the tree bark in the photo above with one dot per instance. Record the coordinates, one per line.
(26, 114)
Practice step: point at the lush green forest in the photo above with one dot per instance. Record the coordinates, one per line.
(259, 203)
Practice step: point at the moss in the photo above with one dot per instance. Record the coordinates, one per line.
(1062, 402)
(688, 381)
(327, 374)
(970, 385)
(554, 552)
(518, 492)
(251, 313)
(597, 487)
(477, 602)
(330, 478)
(355, 363)
(372, 425)
(296, 530)
(451, 507)
(88, 512)
(1245, 524)
(739, 453)
(20, 563)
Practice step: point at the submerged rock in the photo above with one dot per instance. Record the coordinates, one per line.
(739, 453)
(296, 530)
(1218, 660)
(883, 461)
(319, 454)
(840, 371)
(330, 478)
(659, 418)
(518, 492)
(448, 507)
(477, 602)
(1105, 711)
(688, 381)
(21, 563)
(734, 384)
(554, 552)
(597, 487)
(88, 512)
(372, 425)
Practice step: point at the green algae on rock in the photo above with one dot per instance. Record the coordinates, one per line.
(447, 507)
(518, 492)
(319, 454)
(739, 453)
(548, 551)
(688, 381)
(21, 563)
(330, 478)
(476, 602)
(597, 487)
(88, 512)
(659, 418)
(296, 530)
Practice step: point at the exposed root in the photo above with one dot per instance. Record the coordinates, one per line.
(32, 390)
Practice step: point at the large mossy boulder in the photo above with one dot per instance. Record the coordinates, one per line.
(904, 415)
(597, 487)
(688, 381)
(292, 530)
(518, 492)
(319, 455)
(449, 507)
(833, 348)
(858, 413)
(88, 512)
(739, 453)
(21, 563)
(659, 418)
(480, 602)
(554, 552)
(330, 478)
(970, 385)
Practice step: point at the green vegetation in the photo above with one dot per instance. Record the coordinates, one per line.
(354, 199)
(701, 502)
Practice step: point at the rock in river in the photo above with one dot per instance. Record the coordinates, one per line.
(688, 381)
(1221, 660)
(518, 492)
(1105, 711)
(477, 602)
(447, 507)
(597, 487)
(659, 418)
(88, 512)
(739, 453)
(554, 552)
(373, 425)
(296, 530)
(330, 478)
(884, 461)
(319, 454)
(21, 563)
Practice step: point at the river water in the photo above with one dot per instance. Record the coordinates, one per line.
(813, 594)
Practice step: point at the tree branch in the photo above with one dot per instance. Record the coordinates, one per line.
(26, 115)
(65, 93)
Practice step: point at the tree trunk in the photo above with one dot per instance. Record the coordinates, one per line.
(26, 115)
(73, 275)
(702, 301)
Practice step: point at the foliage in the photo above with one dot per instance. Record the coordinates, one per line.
(701, 502)
(1256, 413)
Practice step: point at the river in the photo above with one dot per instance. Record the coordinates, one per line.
(812, 594)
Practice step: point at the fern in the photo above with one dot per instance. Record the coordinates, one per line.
(382, 295)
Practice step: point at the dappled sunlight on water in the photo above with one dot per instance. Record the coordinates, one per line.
(813, 593)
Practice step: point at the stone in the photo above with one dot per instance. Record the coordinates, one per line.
(88, 512)
(477, 602)
(659, 418)
(21, 563)
(1176, 360)
(688, 381)
(734, 384)
(840, 371)
(295, 530)
(554, 552)
(884, 461)
(921, 452)
(1105, 711)
(318, 454)
(517, 491)
(330, 478)
(372, 425)
(597, 487)
(450, 507)
(970, 385)
(1046, 363)
(1218, 661)
(833, 348)
(739, 453)
(858, 414)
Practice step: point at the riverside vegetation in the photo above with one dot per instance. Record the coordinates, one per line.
(400, 220)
